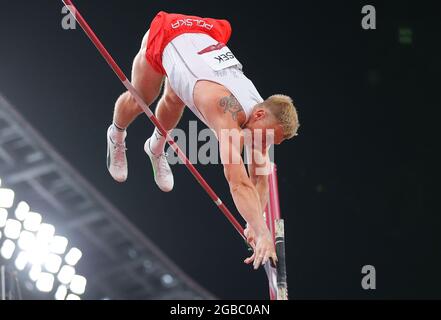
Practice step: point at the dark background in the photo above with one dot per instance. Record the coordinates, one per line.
(357, 186)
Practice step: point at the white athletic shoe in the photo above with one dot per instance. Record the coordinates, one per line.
(116, 159)
(161, 169)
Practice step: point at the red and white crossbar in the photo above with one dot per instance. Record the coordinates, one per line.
(106, 55)
(278, 287)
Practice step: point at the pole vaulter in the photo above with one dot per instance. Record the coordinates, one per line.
(277, 276)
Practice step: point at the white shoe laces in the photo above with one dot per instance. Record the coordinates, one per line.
(163, 164)
(120, 149)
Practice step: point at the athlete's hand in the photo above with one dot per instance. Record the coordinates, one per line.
(251, 236)
(264, 251)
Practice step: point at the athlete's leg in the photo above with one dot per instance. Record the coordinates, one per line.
(168, 112)
(146, 81)
(148, 84)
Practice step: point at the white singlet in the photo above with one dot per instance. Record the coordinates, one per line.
(186, 62)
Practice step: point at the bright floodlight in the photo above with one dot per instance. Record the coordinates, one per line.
(7, 249)
(73, 256)
(21, 261)
(61, 293)
(53, 263)
(167, 280)
(73, 297)
(66, 273)
(26, 240)
(35, 272)
(12, 229)
(32, 221)
(22, 210)
(78, 284)
(39, 253)
(6, 198)
(45, 282)
(3, 217)
(58, 245)
(45, 233)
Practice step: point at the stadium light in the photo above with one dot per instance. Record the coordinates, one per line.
(53, 263)
(45, 282)
(73, 256)
(58, 245)
(38, 254)
(45, 233)
(61, 293)
(78, 284)
(73, 297)
(34, 273)
(32, 221)
(6, 198)
(22, 211)
(21, 261)
(7, 249)
(12, 229)
(66, 274)
(33, 247)
(3, 217)
(26, 240)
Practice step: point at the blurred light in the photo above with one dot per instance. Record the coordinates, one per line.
(45, 233)
(405, 36)
(26, 240)
(7, 249)
(32, 221)
(39, 253)
(3, 217)
(53, 263)
(6, 198)
(167, 280)
(73, 256)
(21, 261)
(22, 210)
(66, 273)
(34, 273)
(45, 282)
(61, 293)
(12, 229)
(0, 234)
(73, 297)
(58, 245)
(78, 284)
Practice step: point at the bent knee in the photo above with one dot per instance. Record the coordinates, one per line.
(172, 100)
(127, 102)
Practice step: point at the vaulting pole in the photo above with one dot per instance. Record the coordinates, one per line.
(278, 285)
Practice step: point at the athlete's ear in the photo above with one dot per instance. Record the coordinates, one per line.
(259, 114)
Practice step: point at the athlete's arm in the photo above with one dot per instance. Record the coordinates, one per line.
(258, 170)
(244, 192)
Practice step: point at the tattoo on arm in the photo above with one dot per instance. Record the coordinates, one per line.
(231, 105)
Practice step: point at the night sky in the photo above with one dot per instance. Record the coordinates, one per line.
(357, 186)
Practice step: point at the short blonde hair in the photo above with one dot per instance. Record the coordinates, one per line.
(283, 109)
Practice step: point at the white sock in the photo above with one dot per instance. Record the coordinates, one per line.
(157, 142)
(117, 134)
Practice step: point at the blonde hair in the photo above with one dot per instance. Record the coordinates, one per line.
(283, 109)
